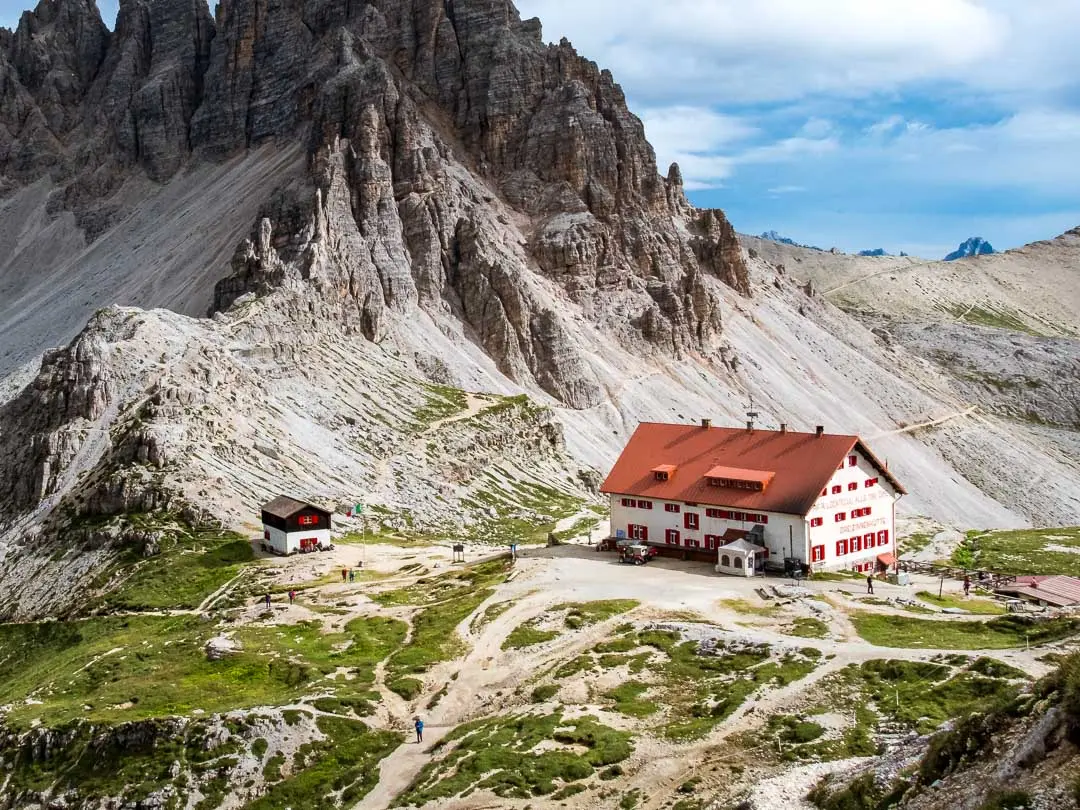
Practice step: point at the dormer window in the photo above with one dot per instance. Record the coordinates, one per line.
(735, 478)
(664, 472)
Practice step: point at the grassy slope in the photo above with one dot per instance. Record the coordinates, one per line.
(132, 668)
(1026, 551)
(995, 634)
(497, 754)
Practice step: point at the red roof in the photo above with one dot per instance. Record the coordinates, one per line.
(1054, 590)
(801, 465)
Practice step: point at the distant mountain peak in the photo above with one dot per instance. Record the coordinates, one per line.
(773, 236)
(975, 246)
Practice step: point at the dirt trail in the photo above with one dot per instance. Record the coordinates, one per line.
(899, 268)
(931, 423)
(383, 478)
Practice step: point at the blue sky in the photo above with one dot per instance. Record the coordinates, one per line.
(903, 124)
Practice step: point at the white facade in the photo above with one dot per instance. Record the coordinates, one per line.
(289, 543)
(856, 540)
(822, 538)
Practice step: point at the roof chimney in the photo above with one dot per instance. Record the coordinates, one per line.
(749, 427)
(783, 427)
(706, 423)
(820, 431)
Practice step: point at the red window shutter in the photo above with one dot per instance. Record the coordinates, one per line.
(837, 489)
(644, 533)
(852, 461)
(852, 486)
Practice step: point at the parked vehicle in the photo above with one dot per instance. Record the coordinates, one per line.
(636, 555)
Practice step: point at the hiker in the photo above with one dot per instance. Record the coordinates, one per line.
(352, 575)
(292, 597)
(268, 601)
(967, 585)
(344, 574)
(869, 583)
(419, 730)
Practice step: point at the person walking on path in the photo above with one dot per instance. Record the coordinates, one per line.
(268, 601)
(869, 583)
(352, 575)
(344, 574)
(967, 585)
(292, 597)
(419, 724)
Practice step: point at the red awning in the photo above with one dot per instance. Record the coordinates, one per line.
(886, 559)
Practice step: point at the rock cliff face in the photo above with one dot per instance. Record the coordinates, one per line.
(457, 163)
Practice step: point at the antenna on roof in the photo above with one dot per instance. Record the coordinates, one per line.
(751, 415)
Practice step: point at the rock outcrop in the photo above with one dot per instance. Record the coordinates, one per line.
(457, 163)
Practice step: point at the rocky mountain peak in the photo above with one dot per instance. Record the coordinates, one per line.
(451, 170)
(975, 246)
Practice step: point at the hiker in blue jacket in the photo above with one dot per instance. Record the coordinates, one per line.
(419, 730)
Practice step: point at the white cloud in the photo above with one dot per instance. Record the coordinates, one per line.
(777, 49)
(725, 51)
(693, 129)
(787, 190)
(692, 137)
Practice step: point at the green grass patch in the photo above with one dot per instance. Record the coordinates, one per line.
(191, 566)
(574, 616)
(914, 543)
(497, 754)
(528, 635)
(338, 771)
(1027, 551)
(581, 528)
(750, 608)
(441, 402)
(407, 688)
(992, 317)
(130, 668)
(490, 614)
(627, 699)
(582, 614)
(923, 695)
(994, 634)
(837, 576)
(446, 587)
(986, 607)
(435, 638)
(808, 628)
(542, 694)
